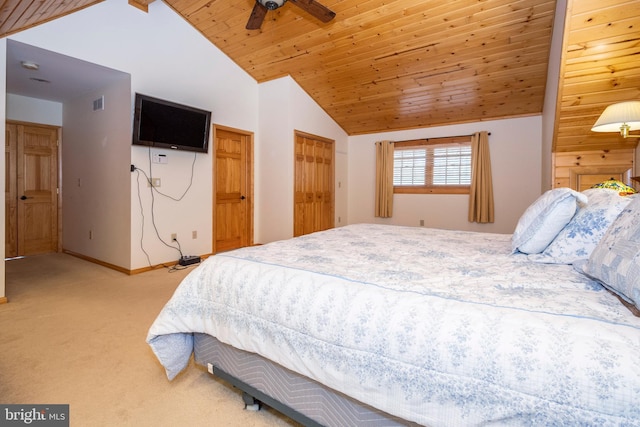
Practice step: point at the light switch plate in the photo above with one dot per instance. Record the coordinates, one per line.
(160, 159)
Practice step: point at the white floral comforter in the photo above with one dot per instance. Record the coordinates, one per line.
(435, 326)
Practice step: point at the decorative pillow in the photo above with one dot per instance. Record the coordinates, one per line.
(613, 184)
(579, 238)
(543, 220)
(615, 262)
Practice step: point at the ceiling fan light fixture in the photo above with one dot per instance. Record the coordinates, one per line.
(261, 7)
(272, 4)
(622, 117)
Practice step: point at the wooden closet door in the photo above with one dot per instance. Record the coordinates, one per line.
(313, 184)
(326, 185)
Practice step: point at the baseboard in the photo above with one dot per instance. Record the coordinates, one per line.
(3, 300)
(97, 261)
(167, 265)
(124, 270)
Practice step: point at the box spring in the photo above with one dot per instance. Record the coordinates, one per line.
(300, 398)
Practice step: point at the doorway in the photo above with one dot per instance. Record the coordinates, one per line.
(232, 189)
(32, 190)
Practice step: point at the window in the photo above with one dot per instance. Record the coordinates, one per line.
(437, 165)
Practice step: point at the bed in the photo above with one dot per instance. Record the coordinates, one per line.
(372, 324)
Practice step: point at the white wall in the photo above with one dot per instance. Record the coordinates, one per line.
(274, 164)
(26, 109)
(515, 146)
(177, 64)
(96, 196)
(551, 93)
(285, 108)
(3, 114)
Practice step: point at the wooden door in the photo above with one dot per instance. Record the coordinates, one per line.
(313, 184)
(31, 195)
(233, 186)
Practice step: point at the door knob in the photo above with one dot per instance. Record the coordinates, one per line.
(242, 197)
(23, 197)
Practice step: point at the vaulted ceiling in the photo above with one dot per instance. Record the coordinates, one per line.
(387, 65)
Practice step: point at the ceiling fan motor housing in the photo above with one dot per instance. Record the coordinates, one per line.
(272, 4)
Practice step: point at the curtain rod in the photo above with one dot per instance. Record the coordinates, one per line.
(437, 137)
(456, 136)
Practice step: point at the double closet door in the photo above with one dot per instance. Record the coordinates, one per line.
(31, 189)
(314, 192)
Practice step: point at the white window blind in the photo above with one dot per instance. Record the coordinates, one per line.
(409, 167)
(428, 164)
(451, 165)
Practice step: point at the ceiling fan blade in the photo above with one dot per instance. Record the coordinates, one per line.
(257, 17)
(315, 9)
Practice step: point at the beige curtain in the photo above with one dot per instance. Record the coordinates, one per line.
(481, 191)
(384, 179)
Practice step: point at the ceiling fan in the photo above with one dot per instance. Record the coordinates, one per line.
(262, 6)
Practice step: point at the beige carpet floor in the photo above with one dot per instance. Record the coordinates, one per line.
(74, 333)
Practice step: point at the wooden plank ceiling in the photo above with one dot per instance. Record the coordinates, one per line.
(383, 65)
(601, 66)
(388, 65)
(18, 15)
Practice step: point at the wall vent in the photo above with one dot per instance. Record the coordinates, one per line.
(98, 104)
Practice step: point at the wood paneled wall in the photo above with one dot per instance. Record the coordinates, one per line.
(582, 169)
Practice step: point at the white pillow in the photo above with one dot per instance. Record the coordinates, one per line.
(543, 220)
(579, 238)
(615, 262)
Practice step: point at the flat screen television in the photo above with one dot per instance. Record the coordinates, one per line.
(165, 124)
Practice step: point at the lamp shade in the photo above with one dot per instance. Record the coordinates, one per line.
(615, 115)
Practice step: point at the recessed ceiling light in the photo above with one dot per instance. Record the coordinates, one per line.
(29, 65)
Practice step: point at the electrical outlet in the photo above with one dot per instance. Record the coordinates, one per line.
(174, 236)
(194, 234)
(422, 223)
(90, 234)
